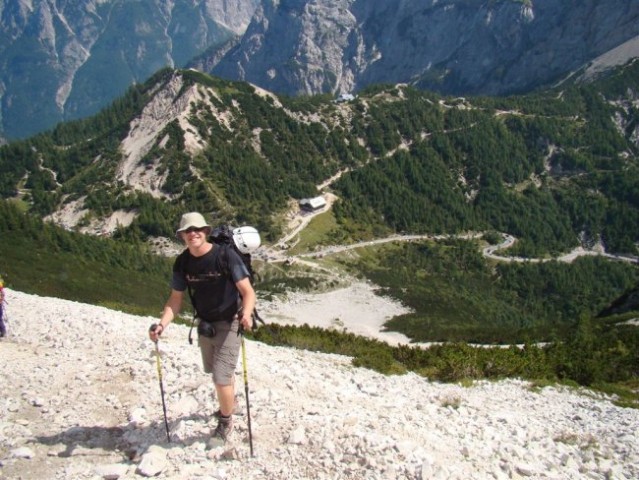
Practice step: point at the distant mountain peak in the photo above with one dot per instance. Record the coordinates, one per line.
(67, 60)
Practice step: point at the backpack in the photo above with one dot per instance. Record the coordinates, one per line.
(244, 241)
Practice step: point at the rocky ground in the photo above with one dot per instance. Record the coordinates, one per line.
(81, 400)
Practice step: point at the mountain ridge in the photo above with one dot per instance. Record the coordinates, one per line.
(189, 135)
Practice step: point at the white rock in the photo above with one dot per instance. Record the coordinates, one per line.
(111, 472)
(153, 462)
(525, 470)
(186, 406)
(297, 436)
(138, 416)
(22, 452)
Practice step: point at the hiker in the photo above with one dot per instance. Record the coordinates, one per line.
(223, 301)
(3, 328)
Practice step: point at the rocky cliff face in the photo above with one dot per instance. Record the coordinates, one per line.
(66, 59)
(62, 60)
(452, 46)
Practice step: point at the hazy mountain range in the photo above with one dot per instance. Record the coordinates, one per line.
(67, 59)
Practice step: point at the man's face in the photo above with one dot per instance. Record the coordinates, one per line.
(195, 237)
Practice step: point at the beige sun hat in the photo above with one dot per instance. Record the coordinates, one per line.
(191, 219)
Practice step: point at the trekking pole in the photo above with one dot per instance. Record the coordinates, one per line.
(157, 357)
(246, 392)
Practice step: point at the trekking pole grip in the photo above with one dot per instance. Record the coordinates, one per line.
(153, 329)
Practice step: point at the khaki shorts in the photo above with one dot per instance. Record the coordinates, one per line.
(220, 353)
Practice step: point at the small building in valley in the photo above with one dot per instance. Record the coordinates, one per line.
(312, 204)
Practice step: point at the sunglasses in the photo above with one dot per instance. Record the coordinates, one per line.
(194, 229)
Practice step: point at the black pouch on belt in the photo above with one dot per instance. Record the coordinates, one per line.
(206, 329)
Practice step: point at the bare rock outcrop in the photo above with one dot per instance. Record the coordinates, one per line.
(453, 46)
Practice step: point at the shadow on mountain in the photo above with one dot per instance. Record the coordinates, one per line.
(77, 439)
(628, 302)
(131, 441)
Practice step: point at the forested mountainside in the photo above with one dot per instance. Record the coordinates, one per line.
(67, 59)
(553, 168)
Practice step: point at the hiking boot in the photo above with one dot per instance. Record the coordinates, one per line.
(224, 428)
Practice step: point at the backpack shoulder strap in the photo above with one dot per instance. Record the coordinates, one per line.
(181, 263)
(223, 258)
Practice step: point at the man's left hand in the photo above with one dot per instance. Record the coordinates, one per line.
(246, 321)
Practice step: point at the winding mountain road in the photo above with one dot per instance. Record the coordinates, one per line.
(277, 253)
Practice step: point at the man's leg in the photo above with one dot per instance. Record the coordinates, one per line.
(224, 363)
(226, 397)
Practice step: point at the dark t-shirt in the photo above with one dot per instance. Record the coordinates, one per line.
(215, 296)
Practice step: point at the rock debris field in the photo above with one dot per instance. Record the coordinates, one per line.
(81, 400)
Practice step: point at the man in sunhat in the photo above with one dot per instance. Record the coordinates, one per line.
(223, 299)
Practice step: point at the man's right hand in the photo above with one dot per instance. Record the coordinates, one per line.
(155, 331)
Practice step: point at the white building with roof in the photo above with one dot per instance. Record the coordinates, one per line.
(312, 204)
